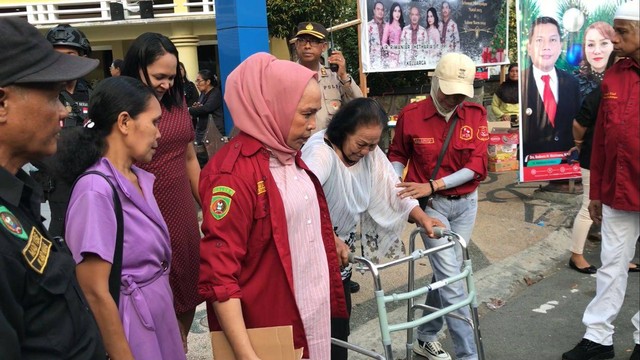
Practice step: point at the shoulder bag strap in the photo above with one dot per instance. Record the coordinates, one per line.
(116, 266)
(452, 126)
(425, 200)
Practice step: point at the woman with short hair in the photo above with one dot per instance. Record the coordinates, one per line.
(360, 185)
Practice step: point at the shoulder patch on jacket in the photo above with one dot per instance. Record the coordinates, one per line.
(219, 207)
(11, 223)
(36, 252)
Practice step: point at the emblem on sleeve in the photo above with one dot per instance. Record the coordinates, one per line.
(37, 251)
(466, 133)
(11, 223)
(483, 133)
(219, 207)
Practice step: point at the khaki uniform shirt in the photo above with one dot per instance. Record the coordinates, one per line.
(334, 94)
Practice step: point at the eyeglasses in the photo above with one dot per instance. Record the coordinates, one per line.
(313, 41)
(198, 81)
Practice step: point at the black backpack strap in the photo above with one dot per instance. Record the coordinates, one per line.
(116, 266)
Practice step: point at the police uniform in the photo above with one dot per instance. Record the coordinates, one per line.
(43, 314)
(334, 93)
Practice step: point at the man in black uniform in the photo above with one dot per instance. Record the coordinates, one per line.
(43, 313)
(75, 97)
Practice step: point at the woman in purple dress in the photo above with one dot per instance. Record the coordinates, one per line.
(391, 36)
(123, 130)
(153, 59)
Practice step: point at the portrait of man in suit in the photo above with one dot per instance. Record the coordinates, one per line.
(551, 99)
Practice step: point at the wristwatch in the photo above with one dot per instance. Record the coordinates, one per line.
(345, 82)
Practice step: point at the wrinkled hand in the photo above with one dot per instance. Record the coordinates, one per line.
(337, 58)
(413, 190)
(343, 250)
(506, 117)
(595, 211)
(428, 223)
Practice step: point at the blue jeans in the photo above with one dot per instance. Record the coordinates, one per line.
(459, 216)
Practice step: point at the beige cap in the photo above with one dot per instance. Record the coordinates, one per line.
(456, 73)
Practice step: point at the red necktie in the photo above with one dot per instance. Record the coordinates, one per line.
(548, 100)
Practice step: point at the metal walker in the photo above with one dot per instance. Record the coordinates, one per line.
(431, 313)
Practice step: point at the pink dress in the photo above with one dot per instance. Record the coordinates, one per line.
(172, 190)
(391, 42)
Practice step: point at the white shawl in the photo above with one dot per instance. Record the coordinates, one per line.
(365, 193)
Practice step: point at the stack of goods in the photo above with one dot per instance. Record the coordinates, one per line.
(503, 150)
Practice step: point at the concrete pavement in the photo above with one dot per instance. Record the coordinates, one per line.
(520, 239)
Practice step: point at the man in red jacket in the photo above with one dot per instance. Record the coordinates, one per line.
(615, 190)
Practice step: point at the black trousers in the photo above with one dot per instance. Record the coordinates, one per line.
(340, 327)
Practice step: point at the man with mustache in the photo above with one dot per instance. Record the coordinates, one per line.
(336, 87)
(43, 312)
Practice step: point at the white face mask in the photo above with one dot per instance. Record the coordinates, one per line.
(435, 86)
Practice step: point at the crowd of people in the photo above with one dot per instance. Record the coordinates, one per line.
(393, 44)
(123, 264)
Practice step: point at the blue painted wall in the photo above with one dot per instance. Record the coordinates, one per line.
(242, 32)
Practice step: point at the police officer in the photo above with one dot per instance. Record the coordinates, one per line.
(43, 313)
(75, 97)
(336, 87)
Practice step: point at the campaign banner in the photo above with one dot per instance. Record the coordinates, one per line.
(565, 48)
(401, 35)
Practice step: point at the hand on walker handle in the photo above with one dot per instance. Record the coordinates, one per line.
(425, 221)
(343, 251)
(428, 223)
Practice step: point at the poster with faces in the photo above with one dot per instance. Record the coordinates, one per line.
(564, 49)
(400, 35)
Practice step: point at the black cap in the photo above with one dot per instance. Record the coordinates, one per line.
(27, 57)
(313, 29)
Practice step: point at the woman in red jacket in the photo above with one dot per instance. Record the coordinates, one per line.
(269, 256)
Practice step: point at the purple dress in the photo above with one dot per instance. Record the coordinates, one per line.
(146, 301)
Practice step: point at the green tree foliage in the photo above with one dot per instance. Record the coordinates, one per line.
(499, 40)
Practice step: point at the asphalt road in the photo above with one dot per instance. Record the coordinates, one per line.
(545, 319)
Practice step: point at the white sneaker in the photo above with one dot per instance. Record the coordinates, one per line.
(431, 350)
